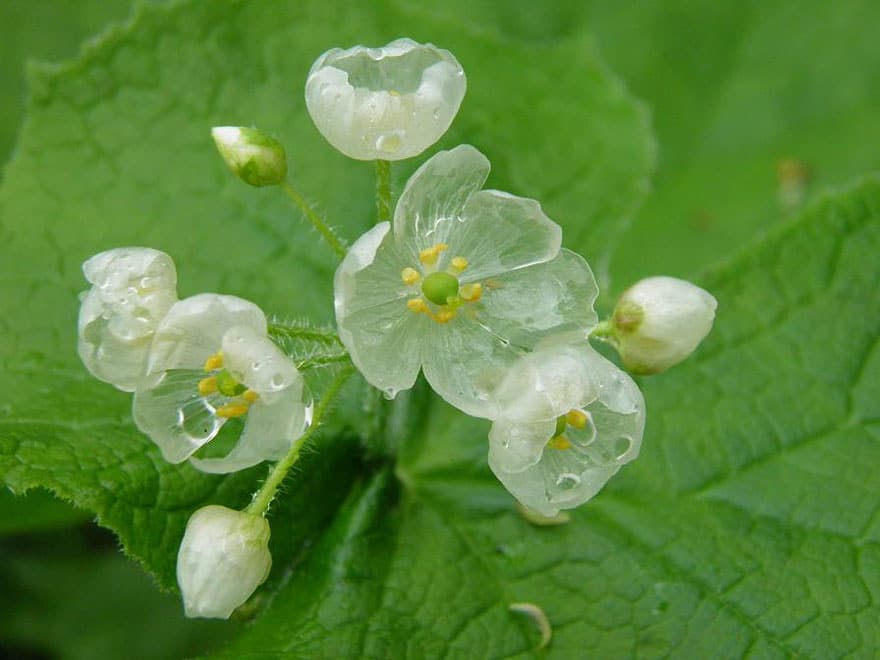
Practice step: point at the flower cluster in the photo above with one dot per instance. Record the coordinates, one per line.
(469, 286)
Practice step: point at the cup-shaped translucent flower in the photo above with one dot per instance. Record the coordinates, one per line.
(223, 558)
(659, 321)
(385, 103)
(132, 290)
(211, 362)
(254, 157)
(462, 283)
(570, 419)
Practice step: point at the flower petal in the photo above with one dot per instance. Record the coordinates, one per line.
(464, 362)
(254, 360)
(430, 207)
(269, 432)
(193, 329)
(500, 232)
(516, 446)
(382, 336)
(168, 408)
(528, 304)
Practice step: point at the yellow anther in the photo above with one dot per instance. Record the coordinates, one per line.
(214, 362)
(208, 385)
(234, 409)
(560, 442)
(444, 316)
(576, 418)
(409, 276)
(471, 292)
(393, 92)
(416, 305)
(428, 256)
(459, 263)
(250, 396)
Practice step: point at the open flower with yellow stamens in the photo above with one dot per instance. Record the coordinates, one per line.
(211, 361)
(569, 420)
(460, 285)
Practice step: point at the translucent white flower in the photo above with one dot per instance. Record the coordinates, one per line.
(569, 420)
(223, 558)
(659, 321)
(385, 103)
(254, 157)
(211, 362)
(132, 289)
(464, 281)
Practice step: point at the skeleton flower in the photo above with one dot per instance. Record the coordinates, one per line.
(385, 103)
(223, 558)
(569, 420)
(132, 289)
(461, 284)
(211, 361)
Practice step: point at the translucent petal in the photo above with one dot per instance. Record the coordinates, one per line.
(531, 303)
(133, 288)
(382, 336)
(385, 103)
(500, 232)
(168, 408)
(514, 447)
(464, 362)
(430, 207)
(193, 329)
(269, 432)
(255, 361)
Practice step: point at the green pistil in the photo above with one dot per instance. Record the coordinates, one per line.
(228, 386)
(440, 287)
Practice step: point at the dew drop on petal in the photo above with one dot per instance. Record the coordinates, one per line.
(622, 446)
(568, 480)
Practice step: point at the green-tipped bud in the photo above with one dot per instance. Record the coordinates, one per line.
(223, 558)
(659, 321)
(253, 156)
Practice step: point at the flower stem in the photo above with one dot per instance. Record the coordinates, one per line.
(383, 190)
(263, 497)
(604, 331)
(294, 331)
(323, 228)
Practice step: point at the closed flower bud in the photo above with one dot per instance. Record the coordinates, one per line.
(659, 321)
(223, 558)
(253, 156)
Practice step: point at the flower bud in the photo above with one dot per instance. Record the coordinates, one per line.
(223, 558)
(253, 156)
(659, 321)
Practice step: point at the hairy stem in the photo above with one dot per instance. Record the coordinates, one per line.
(301, 332)
(263, 497)
(383, 191)
(323, 228)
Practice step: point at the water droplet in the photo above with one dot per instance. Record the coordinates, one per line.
(436, 113)
(389, 143)
(277, 381)
(256, 365)
(568, 480)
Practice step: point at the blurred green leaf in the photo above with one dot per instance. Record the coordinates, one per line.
(748, 527)
(117, 151)
(36, 511)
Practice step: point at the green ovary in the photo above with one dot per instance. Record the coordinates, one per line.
(440, 287)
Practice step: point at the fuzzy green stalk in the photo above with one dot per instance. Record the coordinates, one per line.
(323, 228)
(383, 190)
(263, 497)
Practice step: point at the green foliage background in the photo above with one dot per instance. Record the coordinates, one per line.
(652, 133)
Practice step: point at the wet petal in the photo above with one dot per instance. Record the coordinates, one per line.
(514, 447)
(550, 298)
(169, 409)
(254, 360)
(193, 330)
(430, 207)
(269, 432)
(501, 232)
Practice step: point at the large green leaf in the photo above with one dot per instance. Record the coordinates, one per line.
(748, 527)
(116, 151)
